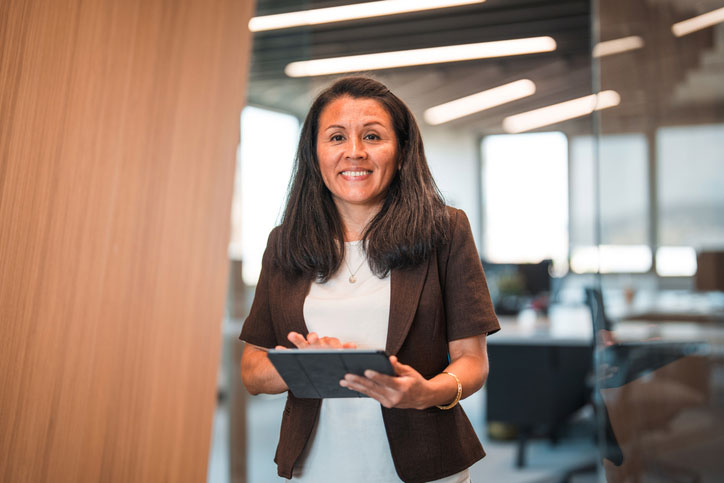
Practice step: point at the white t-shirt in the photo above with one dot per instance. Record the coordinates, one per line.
(349, 442)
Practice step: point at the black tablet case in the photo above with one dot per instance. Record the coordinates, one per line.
(315, 373)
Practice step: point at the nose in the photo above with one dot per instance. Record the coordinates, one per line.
(356, 149)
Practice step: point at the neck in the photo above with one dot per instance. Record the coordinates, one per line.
(355, 219)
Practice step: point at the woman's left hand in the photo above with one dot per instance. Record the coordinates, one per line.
(406, 390)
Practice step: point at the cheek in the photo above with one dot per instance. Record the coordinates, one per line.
(393, 164)
(325, 166)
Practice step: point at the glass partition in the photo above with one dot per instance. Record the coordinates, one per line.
(660, 334)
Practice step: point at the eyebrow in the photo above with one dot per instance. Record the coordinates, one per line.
(339, 126)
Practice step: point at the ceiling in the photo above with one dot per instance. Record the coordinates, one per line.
(560, 75)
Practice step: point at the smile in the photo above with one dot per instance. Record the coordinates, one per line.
(355, 173)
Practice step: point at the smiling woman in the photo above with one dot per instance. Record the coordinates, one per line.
(407, 219)
(368, 256)
(357, 151)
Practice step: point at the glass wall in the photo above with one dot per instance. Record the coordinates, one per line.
(659, 173)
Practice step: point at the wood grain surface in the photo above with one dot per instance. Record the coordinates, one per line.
(119, 123)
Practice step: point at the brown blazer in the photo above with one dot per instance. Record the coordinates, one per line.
(443, 299)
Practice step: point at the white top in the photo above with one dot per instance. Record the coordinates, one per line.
(349, 442)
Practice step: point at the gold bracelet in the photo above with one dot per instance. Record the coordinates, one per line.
(459, 394)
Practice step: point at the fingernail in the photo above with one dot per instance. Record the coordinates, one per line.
(369, 373)
(343, 383)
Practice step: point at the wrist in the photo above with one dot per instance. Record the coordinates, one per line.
(444, 390)
(458, 392)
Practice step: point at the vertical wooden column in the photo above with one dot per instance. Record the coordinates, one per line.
(119, 122)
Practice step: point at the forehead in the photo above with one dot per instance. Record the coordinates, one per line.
(348, 110)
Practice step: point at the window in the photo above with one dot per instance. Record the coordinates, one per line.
(264, 165)
(620, 184)
(690, 195)
(525, 190)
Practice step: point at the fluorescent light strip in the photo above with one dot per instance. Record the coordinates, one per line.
(434, 55)
(349, 12)
(479, 102)
(699, 22)
(617, 46)
(560, 112)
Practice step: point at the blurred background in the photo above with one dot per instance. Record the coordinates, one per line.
(585, 141)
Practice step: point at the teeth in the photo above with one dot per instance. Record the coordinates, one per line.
(355, 173)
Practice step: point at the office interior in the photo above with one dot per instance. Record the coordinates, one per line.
(132, 220)
(592, 174)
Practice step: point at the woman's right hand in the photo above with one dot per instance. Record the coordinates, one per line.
(313, 341)
(259, 375)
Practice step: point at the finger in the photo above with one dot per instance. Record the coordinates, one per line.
(297, 339)
(349, 345)
(366, 387)
(400, 368)
(384, 388)
(312, 338)
(331, 342)
(382, 379)
(360, 382)
(279, 347)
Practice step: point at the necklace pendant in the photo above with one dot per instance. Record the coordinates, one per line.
(352, 279)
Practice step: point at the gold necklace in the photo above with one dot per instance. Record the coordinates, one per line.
(352, 278)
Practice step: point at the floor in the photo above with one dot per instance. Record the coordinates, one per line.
(545, 462)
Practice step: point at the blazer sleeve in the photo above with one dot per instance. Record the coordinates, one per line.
(258, 329)
(468, 307)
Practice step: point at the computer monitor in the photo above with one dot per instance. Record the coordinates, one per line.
(514, 285)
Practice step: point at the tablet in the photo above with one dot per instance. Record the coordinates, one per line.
(315, 373)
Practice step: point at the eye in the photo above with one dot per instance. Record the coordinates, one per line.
(336, 138)
(372, 136)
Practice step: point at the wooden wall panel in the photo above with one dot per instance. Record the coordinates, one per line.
(119, 122)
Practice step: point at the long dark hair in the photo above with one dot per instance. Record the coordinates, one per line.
(411, 224)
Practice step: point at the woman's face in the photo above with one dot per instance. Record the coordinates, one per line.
(357, 151)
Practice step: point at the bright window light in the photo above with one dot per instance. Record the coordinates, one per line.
(433, 55)
(563, 111)
(676, 261)
(264, 165)
(698, 23)
(689, 185)
(479, 102)
(611, 259)
(616, 46)
(525, 190)
(348, 12)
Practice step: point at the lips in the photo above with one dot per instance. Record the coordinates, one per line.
(356, 174)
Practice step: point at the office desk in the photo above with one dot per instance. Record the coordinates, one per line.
(541, 367)
(538, 371)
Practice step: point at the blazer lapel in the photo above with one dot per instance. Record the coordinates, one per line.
(405, 290)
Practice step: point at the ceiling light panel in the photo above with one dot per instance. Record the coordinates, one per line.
(699, 22)
(434, 55)
(563, 111)
(349, 12)
(479, 102)
(617, 46)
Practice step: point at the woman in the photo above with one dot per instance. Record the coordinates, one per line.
(368, 256)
